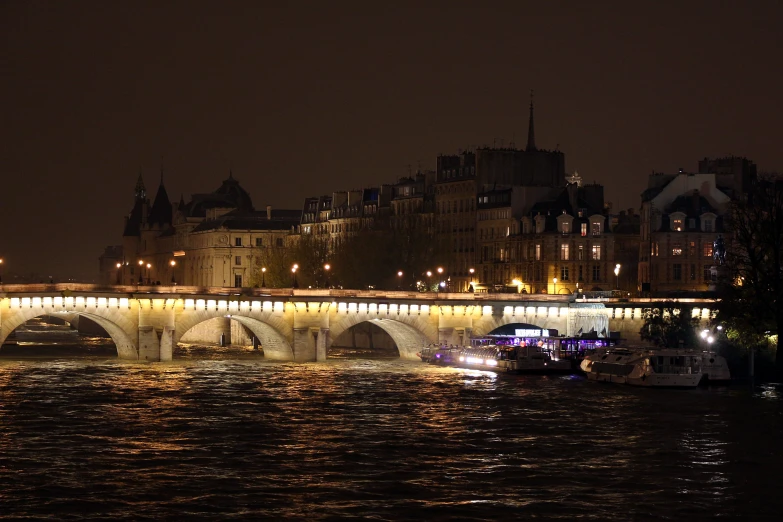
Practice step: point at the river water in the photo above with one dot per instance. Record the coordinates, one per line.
(219, 434)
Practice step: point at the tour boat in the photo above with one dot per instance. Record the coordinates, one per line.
(513, 359)
(655, 368)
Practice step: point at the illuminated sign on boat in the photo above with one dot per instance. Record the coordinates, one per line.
(530, 332)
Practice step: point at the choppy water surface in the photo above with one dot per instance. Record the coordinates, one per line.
(233, 437)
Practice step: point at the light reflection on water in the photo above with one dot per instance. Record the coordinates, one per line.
(223, 434)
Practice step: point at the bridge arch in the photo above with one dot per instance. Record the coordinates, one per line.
(119, 328)
(408, 338)
(267, 328)
(547, 320)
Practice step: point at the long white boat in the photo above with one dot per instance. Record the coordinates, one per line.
(654, 368)
(513, 359)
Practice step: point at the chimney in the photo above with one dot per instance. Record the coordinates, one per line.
(269, 211)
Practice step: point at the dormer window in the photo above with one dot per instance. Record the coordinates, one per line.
(708, 226)
(595, 228)
(565, 227)
(584, 229)
(691, 223)
(677, 224)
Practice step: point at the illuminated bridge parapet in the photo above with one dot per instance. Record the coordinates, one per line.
(146, 322)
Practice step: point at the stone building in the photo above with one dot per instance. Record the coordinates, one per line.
(455, 213)
(342, 215)
(512, 167)
(413, 203)
(560, 241)
(682, 216)
(213, 240)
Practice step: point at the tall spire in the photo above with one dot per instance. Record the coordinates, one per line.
(531, 131)
(140, 191)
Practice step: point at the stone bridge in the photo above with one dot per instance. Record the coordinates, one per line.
(146, 323)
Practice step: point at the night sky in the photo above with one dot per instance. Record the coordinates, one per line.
(305, 101)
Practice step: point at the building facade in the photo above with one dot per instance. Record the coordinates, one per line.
(682, 215)
(213, 240)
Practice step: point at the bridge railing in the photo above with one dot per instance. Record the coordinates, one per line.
(323, 293)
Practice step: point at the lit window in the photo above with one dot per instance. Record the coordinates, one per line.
(538, 252)
(596, 252)
(564, 252)
(677, 224)
(580, 253)
(677, 249)
(565, 227)
(584, 229)
(692, 249)
(596, 228)
(707, 250)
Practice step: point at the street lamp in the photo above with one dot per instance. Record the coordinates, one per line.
(173, 264)
(399, 281)
(617, 276)
(293, 271)
(1, 274)
(429, 274)
(327, 266)
(141, 269)
(119, 266)
(149, 265)
(263, 277)
(554, 283)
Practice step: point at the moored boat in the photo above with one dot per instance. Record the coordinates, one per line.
(512, 359)
(651, 368)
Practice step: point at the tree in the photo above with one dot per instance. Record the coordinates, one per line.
(669, 324)
(278, 262)
(749, 284)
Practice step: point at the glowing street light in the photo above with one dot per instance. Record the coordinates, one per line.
(173, 279)
(327, 266)
(141, 269)
(617, 276)
(293, 271)
(554, 284)
(263, 277)
(149, 265)
(1, 275)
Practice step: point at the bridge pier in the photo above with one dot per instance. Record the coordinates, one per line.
(304, 345)
(446, 336)
(322, 343)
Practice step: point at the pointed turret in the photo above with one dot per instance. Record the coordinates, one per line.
(531, 130)
(161, 207)
(138, 213)
(140, 191)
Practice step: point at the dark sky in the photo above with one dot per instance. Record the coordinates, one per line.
(314, 99)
